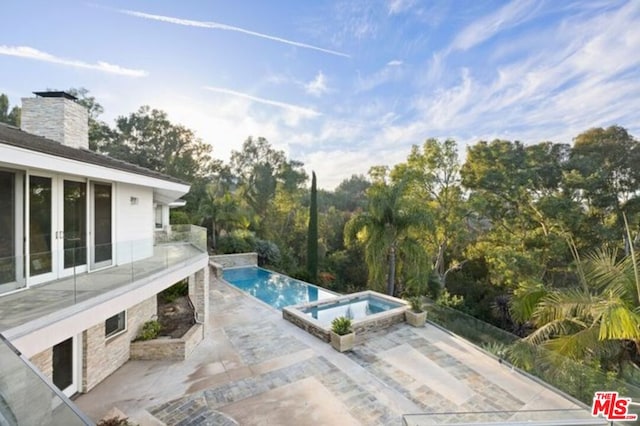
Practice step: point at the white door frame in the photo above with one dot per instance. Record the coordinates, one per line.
(53, 243)
(76, 366)
(93, 266)
(62, 271)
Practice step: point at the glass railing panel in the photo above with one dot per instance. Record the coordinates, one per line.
(28, 398)
(192, 234)
(573, 377)
(87, 272)
(559, 417)
(11, 274)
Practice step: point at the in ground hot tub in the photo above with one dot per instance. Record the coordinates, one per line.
(368, 311)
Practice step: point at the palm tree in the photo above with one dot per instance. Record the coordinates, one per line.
(388, 231)
(598, 320)
(222, 210)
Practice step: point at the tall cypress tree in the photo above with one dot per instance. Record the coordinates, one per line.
(312, 233)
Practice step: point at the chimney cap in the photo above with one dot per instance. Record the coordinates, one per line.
(55, 94)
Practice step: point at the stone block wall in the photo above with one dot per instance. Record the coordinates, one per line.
(102, 356)
(43, 361)
(168, 349)
(59, 119)
(233, 260)
(199, 294)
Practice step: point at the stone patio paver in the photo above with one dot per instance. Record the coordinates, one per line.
(256, 368)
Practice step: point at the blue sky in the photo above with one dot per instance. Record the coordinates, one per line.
(339, 85)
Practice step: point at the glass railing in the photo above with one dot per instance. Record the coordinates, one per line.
(28, 398)
(575, 378)
(58, 279)
(567, 417)
(193, 234)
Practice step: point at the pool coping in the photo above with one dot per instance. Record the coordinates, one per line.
(361, 326)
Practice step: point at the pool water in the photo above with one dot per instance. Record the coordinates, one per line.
(354, 308)
(274, 289)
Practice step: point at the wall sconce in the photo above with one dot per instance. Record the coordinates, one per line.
(134, 201)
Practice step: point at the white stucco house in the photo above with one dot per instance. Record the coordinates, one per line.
(85, 247)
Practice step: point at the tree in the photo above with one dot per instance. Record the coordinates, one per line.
(509, 184)
(7, 116)
(99, 131)
(602, 172)
(262, 173)
(386, 229)
(147, 138)
(433, 176)
(312, 235)
(594, 321)
(351, 194)
(221, 208)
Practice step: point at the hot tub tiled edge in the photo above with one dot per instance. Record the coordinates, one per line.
(362, 326)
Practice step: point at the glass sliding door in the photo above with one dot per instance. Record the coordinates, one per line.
(8, 259)
(40, 226)
(102, 225)
(74, 224)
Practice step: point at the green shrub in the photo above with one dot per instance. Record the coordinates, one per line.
(116, 421)
(238, 241)
(150, 330)
(341, 325)
(179, 289)
(416, 304)
(268, 253)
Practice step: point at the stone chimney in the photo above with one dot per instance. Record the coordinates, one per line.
(56, 116)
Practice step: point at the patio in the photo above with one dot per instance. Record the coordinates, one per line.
(256, 368)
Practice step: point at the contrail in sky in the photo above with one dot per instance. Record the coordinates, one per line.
(219, 26)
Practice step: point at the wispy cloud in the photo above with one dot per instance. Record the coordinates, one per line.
(511, 15)
(588, 79)
(308, 112)
(38, 55)
(317, 86)
(391, 71)
(219, 26)
(399, 6)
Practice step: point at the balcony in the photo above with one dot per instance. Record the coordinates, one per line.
(137, 263)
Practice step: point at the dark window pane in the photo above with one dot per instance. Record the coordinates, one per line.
(115, 324)
(40, 225)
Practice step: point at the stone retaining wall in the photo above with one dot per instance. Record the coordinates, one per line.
(221, 261)
(362, 326)
(168, 349)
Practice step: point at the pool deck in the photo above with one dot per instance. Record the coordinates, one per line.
(254, 368)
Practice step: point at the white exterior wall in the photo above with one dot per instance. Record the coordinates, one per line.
(134, 223)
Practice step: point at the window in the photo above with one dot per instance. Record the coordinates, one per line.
(115, 325)
(159, 217)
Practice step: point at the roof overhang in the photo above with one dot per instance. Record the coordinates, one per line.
(20, 158)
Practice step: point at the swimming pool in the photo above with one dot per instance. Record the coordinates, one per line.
(274, 289)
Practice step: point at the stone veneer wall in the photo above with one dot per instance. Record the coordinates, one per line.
(59, 119)
(199, 294)
(221, 261)
(361, 327)
(168, 349)
(101, 356)
(43, 361)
